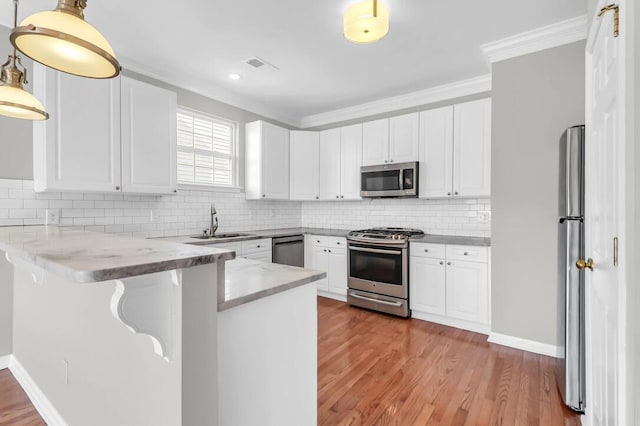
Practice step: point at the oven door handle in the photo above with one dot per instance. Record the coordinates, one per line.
(370, 250)
(383, 302)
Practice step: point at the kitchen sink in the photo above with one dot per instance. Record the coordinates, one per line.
(221, 236)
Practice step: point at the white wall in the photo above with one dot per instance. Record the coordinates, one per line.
(445, 217)
(534, 99)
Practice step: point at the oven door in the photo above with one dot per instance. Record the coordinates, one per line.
(378, 269)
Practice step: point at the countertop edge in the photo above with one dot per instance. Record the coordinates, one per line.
(228, 304)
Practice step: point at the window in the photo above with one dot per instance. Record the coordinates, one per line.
(206, 149)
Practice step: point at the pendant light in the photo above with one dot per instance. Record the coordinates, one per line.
(61, 39)
(366, 22)
(16, 102)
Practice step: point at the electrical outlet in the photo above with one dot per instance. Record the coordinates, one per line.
(53, 217)
(484, 216)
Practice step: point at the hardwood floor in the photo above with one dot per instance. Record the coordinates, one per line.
(375, 369)
(15, 407)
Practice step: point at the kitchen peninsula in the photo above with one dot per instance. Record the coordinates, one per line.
(125, 327)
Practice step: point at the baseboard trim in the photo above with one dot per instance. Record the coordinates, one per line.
(42, 404)
(525, 345)
(333, 296)
(451, 322)
(5, 361)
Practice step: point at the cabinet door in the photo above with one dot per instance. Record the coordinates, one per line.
(427, 290)
(436, 153)
(148, 138)
(472, 149)
(404, 138)
(467, 292)
(275, 157)
(78, 148)
(338, 271)
(375, 142)
(350, 161)
(320, 262)
(304, 163)
(330, 164)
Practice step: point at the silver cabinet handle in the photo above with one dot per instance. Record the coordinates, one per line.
(337, 196)
(466, 253)
(342, 196)
(329, 250)
(338, 243)
(317, 197)
(117, 188)
(448, 193)
(456, 193)
(258, 246)
(385, 161)
(383, 302)
(448, 263)
(442, 263)
(379, 251)
(391, 161)
(426, 250)
(263, 195)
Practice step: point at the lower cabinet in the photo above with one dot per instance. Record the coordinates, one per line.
(328, 254)
(450, 285)
(250, 249)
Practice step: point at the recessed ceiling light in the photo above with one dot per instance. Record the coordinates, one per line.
(234, 76)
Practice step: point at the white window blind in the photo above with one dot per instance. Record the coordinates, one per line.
(206, 149)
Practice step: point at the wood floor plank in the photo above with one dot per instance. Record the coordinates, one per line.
(420, 373)
(15, 407)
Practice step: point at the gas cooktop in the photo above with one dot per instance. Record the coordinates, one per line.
(388, 234)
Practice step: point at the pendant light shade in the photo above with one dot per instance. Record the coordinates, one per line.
(61, 39)
(366, 22)
(15, 102)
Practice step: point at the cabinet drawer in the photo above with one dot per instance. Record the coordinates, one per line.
(469, 253)
(336, 242)
(318, 241)
(432, 251)
(256, 246)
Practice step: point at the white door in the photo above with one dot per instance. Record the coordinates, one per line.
(78, 148)
(467, 291)
(375, 142)
(472, 148)
(304, 163)
(338, 271)
(436, 153)
(330, 164)
(604, 220)
(275, 166)
(404, 136)
(427, 285)
(148, 138)
(350, 161)
(320, 262)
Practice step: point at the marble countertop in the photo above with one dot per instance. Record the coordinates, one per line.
(84, 256)
(254, 235)
(452, 239)
(248, 280)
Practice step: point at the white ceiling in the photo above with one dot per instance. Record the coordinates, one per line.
(197, 43)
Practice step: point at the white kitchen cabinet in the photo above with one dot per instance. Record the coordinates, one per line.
(455, 150)
(449, 284)
(116, 135)
(404, 138)
(329, 254)
(330, 181)
(267, 162)
(391, 140)
(428, 285)
(78, 148)
(305, 174)
(148, 138)
(350, 161)
(259, 249)
(472, 148)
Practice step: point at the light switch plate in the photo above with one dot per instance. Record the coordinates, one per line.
(484, 216)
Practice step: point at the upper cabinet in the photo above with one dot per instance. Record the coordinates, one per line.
(391, 140)
(114, 135)
(455, 150)
(330, 164)
(350, 161)
(304, 164)
(148, 138)
(267, 162)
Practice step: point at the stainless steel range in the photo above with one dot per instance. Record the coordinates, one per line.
(378, 267)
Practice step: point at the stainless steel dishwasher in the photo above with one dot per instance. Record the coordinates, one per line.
(289, 250)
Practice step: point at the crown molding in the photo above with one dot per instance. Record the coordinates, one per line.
(457, 89)
(563, 32)
(209, 90)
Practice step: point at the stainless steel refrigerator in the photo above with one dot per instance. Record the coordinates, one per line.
(570, 372)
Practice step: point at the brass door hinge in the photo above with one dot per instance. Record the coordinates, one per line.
(616, 17)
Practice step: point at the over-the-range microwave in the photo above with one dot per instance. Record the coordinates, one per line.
(389, 180)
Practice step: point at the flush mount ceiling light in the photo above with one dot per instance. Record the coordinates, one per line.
(16, 102)
(234, 76)
(366, 22)
(61, 39)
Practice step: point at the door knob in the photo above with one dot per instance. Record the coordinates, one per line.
(582, 264)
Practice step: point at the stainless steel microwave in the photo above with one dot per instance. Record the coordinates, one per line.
(389, 180)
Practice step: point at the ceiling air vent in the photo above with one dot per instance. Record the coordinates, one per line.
(260, 64)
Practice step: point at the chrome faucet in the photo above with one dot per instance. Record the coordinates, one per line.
(214, 223)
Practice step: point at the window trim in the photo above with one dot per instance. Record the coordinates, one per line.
(235, 159)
